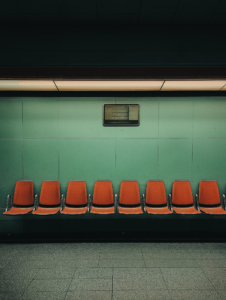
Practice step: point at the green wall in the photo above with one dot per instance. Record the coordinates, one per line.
(64, 139)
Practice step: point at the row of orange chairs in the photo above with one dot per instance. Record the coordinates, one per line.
(104, 202)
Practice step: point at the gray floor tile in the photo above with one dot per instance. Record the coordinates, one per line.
(89, 295)
(18, 274)
(91, 284)
(194, 295)
(76, 263)
(118, 255)
(167, 255)
(205, 247)
(43, 295)
(155, 283)
(73, 255)
(56, 285)
(222, 293)
(122, 263)
(88, 246)
(93, 273)
(11, 296)
(136, 273)
(207, 256)
(186, 279)
(4, 263)
(121, 247)
(217, 277)
(211, 263)
(54, 273)
(14, 285)
(31, 264)
(171, 263)
(161, 247)
(144, 295)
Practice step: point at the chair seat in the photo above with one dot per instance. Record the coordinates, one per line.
(213, 210)
(186, 210)
(102, 210)
(46, 210)
(18, 211)
(158, 210)
(74, 210)
(130, 210)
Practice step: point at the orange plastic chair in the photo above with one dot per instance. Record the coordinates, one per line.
(76, 200)
(156, 201)
(49, 202)
(23, 201)
(182, 198)
(209, 198)
(129, 198)
(103, 199)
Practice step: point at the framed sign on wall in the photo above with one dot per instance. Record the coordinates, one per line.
(121, 114)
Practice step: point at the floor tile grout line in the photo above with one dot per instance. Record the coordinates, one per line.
(201, 268)
(165, 283)
(144, 260)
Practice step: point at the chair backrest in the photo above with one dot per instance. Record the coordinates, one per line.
(103, 193)
(156, 193)
(24, 193)
(76, 193)
(129, 193)
(182, 193)
(209, 193)
(50, 193)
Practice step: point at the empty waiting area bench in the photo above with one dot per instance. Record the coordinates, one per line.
(104, 202)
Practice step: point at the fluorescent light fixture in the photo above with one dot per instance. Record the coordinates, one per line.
(112, 85)
(193, 85)
(109, 85)
(27, 85)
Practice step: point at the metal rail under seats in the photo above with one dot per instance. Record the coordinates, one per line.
(182, 199)
(209, 198)
(129, 198)
(23, 200)
(156, 201)
(49, 202)
(76, 199)
(103, 199)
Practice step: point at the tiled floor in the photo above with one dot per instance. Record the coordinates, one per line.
(113, 271)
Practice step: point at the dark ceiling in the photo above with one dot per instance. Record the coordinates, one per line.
(149, 13)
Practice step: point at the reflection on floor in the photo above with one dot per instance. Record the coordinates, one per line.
(113, 271)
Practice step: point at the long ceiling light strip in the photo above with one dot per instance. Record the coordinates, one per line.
(113, 85)
(190, 85)
(109, 85)
(27, 85)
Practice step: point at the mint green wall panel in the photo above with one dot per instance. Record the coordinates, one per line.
(175, 161)
(83, 118)
(136, 159)
(86, 159)
(209, 161)
(11, 161)
(10, 119)
(209, 117)
(64, 139)
(40, 118)
(175, 117)
(148, 119)
(40, 157)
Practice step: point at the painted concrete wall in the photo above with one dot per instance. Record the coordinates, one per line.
(64, 139)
